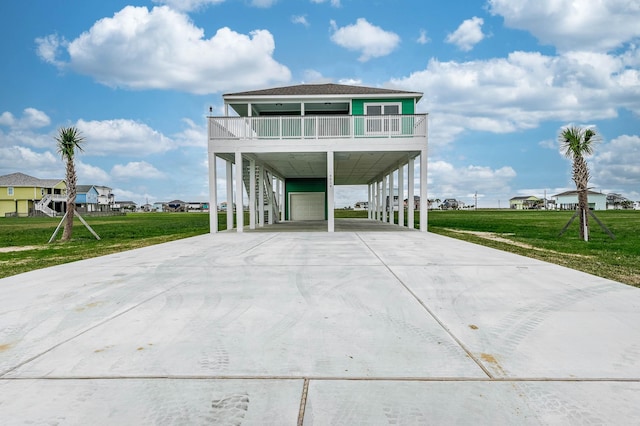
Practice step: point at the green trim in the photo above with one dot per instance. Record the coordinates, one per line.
(357, 105)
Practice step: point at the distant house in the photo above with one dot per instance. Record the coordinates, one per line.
(569, 200)
(124, 206)
(106, 199)
(525, 203)
(24, 195)
(361, 205)
(450, 204)
(196, 206)
(618, 202)
(416, 202)
(86, 198)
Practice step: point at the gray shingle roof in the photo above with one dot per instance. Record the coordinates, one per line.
(321, 89)
(20, 179)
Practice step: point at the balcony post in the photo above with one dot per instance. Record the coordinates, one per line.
(384, 197)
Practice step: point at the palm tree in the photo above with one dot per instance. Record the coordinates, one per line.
(576, 142)
(69, 140)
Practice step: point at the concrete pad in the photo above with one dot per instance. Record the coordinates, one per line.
(537, 321)
(265, 321)
(471, 403)
(145, 401)
(354, 327)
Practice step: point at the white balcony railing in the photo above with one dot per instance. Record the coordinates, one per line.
(318, 127)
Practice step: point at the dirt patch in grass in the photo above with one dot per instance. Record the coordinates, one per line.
(501, 239)
(17, 248)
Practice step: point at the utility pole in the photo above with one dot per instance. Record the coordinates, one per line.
(475, 201)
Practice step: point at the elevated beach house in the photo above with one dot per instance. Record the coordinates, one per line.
(288, 147)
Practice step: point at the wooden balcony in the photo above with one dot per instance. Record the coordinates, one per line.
(318, 127)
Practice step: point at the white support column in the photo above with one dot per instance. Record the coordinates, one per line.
(252, 194)
(383, 202)
(410, 195)
(424, 202)
(401, 195)
(270, 202)
(213, 194)
(261, 188)
(378, 200)
(282, 188)
(239, 196)
(391, 199)
(229, 195)
(369, 200)
(330, 193)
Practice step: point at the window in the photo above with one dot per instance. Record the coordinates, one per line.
(10, 190)
(381, 118)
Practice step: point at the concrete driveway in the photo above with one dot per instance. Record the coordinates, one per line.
(315, 328)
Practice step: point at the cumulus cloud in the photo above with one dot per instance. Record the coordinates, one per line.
(91, 174)
(422, 38)
(616, 164)
(188, 5)
(122, 137)
(334, 3)
(468, 34)
(20, 158)
(573, 24)
(522, 90)
(459, 182)
(31, 119)
(370, 40)
(192, 135)
(163, 49)
(300, 19)
(135, 170)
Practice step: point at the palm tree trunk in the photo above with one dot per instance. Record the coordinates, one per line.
(71, 200)
(581, 178)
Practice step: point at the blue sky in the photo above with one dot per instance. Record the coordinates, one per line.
(500, 79)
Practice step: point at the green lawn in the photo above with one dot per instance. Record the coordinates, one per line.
(530, 233)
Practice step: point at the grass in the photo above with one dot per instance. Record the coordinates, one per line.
(530, 233)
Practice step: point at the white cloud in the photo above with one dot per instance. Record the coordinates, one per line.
(616, 164)
(300, 19)
(599, 25)
(135, 170)
(334, 3)
(524, 89)
(263, 3)
(458, 182)
(188, 5)
(31, 119)
(91, 175)
(370, 40)
(19, 158)
(423, 39)
(468, 34)
(48, 48)
(163, 49)
(122, 138)
(192, 135)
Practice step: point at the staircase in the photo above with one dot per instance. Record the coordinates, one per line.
(264, 192)
(43, 206)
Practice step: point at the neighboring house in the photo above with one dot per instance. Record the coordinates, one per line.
(450, 204)
(175, 206)
(125, 206)
(106, 199)
(525, 203)
(618, 202)
(86, 198)
(569, 200)
(290, 146)
(24, 195)
(361, 205)
(197, 207)
(158, 207)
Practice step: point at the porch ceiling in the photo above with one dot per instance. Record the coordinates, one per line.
(351, 168)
